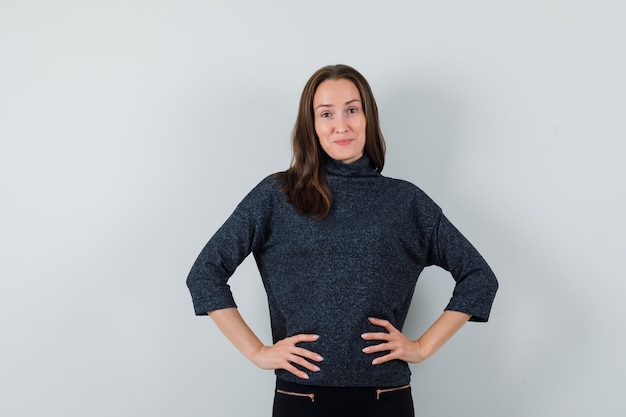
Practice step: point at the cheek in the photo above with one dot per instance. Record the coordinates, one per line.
(321, 130)
(362, 128)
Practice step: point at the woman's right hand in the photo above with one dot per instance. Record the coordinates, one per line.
(285, 353)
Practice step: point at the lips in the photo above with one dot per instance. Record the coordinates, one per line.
(343, 142)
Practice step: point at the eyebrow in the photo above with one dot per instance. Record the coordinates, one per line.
(330, 105)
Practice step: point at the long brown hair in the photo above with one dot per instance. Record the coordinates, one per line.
(305, 182)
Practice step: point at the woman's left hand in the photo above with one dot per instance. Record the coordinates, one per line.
(399, 346)
(414, 351)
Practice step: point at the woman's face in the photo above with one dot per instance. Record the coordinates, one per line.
(340, 120)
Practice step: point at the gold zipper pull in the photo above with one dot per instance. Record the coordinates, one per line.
(380, 391)
(311, 396)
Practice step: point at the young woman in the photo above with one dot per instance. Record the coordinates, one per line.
(339, 248)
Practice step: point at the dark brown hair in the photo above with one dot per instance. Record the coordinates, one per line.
(305, 182)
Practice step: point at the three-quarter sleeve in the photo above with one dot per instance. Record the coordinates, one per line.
(476, 284)
(225, 251)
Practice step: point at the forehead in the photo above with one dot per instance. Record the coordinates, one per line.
(334, 92)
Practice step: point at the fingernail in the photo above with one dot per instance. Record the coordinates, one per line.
(316, 336)
(366, 349)
(316, 368)
(305, 376)
(364, 336)
(319, 358)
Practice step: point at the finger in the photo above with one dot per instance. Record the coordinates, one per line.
(377, 321)
(381, 347)
(297, 372)
(308, 354)
(299, 360)
(382, 359)
(382, 323)
(376, 336)
(300, 338)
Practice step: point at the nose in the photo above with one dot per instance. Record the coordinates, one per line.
(342, 124)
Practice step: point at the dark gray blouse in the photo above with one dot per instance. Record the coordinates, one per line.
(327, 277)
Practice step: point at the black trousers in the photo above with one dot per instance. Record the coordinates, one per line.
(297, 400)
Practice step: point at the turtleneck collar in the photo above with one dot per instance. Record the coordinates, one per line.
(359, 168)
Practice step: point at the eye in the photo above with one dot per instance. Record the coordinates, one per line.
(325, 115)
(352, 110)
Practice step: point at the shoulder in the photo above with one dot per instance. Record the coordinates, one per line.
(406, 187)
(262, 194)
(400, 184)
(406, 193)
(269, 184)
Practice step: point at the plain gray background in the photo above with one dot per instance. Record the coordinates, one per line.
(129, 130)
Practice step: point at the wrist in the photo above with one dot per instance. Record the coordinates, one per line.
(253, 352)
(421, 351)
(424, 351)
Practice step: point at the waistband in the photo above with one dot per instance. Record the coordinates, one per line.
(313, 391)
